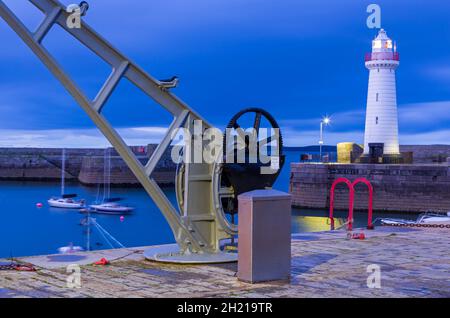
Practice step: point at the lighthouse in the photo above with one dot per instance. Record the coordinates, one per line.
(381, 143)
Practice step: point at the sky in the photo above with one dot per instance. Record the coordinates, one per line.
(298, 59)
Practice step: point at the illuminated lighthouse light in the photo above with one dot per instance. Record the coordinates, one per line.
(381, 133)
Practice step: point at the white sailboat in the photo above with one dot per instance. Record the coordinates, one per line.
(109, 205)
(66, 201)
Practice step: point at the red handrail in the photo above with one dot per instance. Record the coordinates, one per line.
(370, 187)
(351, 187)
(350, 205)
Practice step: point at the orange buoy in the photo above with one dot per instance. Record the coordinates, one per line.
(39, 205)
(359, 236)
(102, 262)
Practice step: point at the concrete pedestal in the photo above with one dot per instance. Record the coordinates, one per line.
(264, 236)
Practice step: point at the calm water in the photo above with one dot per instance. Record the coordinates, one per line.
(27, 230)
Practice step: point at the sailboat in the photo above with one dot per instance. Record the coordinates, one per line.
(66, 201)
(109, 205)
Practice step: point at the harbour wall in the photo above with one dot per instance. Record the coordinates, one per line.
(82, 165)
(349, 152)
(427, 153)
(397, 188)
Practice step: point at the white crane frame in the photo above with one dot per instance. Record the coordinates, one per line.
(197, 230)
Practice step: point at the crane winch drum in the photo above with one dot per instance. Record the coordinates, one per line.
(206, 192)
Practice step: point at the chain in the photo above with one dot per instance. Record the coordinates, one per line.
(429, 226)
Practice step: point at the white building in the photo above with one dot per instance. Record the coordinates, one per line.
(381, 135)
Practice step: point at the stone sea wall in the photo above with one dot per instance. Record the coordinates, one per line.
(397, 188)
(92, 172)
(83, 165)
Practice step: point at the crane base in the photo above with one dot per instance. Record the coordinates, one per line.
(171, 254)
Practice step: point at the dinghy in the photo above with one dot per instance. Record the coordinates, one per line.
(427, 218)
(70, 249)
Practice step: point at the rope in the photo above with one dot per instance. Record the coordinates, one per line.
(9, 267)
(103, 235)
(343, 225)
(103, 232)
(18, 267)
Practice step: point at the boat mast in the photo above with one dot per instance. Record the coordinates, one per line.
(88, 243)
(106, 175)
(109, 173)
(63, 170)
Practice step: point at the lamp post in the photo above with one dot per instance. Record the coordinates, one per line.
(324, 122)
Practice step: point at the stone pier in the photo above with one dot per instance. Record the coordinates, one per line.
(83, 165)
(397, 188)
(411, 262)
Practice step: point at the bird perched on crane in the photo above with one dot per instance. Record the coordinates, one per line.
(169, 83)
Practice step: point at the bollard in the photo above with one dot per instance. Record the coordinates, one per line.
(264, 252)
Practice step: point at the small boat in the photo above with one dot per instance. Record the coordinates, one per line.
(426, 218)
(111, 206)
(66, 201)
(70, 249)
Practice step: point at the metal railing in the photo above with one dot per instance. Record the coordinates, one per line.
(382, 56)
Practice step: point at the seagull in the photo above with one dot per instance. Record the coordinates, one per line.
(84, 7)
(169, 83)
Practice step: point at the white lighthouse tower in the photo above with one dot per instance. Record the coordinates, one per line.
(381, 135)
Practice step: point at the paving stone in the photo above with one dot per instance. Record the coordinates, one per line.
(413, 264)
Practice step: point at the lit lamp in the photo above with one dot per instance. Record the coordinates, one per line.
(324, 122)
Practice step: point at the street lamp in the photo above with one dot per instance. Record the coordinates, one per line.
(324, 122)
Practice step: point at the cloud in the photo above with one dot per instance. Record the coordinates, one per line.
(437, 137)
(426, 116)
(164, 25)
(438, 73)
(78, 138)
(92, 138)
(224, 39)
(419, 123)
(296, 138)
(341, 121)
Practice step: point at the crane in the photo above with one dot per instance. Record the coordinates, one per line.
(199, 223)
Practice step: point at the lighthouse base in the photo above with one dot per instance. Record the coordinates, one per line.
(384, 159)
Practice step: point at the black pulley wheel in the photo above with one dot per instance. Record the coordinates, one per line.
(248, 176)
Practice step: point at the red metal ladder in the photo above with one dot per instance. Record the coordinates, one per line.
(351, 187)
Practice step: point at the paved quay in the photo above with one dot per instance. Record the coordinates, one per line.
(413, 263)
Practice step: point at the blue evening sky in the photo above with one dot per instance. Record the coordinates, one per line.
(299, 59)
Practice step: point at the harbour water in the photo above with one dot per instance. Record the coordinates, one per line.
(26, 230)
